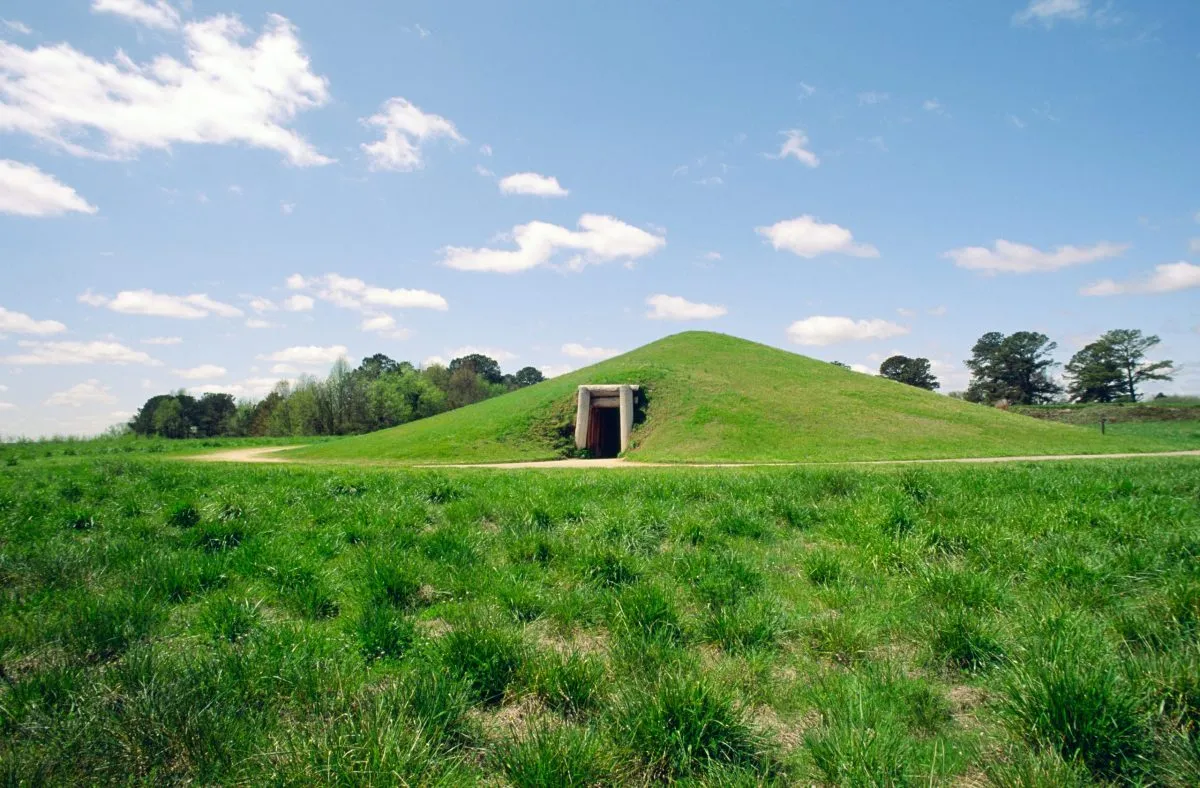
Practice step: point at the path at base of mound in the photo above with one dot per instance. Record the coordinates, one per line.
(265, 455)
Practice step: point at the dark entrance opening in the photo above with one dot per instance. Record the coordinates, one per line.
(604, 439)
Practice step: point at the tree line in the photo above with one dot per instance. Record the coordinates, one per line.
(379, 393)
(1017, 369)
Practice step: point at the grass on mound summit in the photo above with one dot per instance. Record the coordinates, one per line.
(713, 397)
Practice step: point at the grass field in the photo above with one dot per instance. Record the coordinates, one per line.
(716, 398)
(165, 622)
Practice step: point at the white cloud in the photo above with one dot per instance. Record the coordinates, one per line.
(872, 97)
(484, 171)
(711, 180)
(906, 312)
(598, 239)
(936, 311)
(576, 350)
(807, 236)
(806, 90)
(255, 322)
(43, 353)
(158, 14)
(934, 106)
(162, 341)
(251, 388)
(298, 303)
(1015, 258)
(11, 406)
(378, 323)
(554, 370)
(202, 371)
(3, 388)
(824, 330)
(88, 393)
(307, 355)
(260, 304)
(714, 256)
(405, 128)
(1167, 278)
(1015, 121)
(351, 293)
(17, 27)
(666, 307)
(21, 323)
(223, 93)
(486, 150)
(235, 189)
(1049, 11)
(147, 302)
(284, 369)
(862, 369)
(287, 208)
(499, 354)
(434, 361)
(532, 183)
(794, 146)
(27, 191)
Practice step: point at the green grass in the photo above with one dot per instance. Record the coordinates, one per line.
(1034, 624)
(712, 397)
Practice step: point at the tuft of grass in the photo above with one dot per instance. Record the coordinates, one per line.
(487, 658)
(102, 627)
(684, 725)
(384, 633)
(231, 619)
(393, 583)
(646, 611)
(570, 684)
(963, 639)
(1069, 694)
(754, 625)
(558, 756)
(823, 567)
(183, 515)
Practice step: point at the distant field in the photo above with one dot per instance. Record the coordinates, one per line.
(28, 451)
(716, 398)
(170, 622)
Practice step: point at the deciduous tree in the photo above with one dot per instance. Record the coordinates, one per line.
(910, 371)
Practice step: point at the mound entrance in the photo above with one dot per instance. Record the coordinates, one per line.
(604, 418)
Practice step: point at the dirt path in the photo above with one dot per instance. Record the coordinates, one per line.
(265, 455)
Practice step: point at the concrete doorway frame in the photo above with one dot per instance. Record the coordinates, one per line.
(613, 395)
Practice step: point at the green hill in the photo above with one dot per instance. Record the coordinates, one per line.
(712, 397)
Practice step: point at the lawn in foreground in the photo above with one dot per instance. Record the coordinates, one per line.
(163, 621)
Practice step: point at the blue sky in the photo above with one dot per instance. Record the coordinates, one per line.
(217, 195)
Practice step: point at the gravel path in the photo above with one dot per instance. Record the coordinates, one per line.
(266, 455)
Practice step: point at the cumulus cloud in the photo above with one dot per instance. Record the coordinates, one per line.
(1050, 11)
(148, 302)
(499, 354)
(307, 355)
(351, 293)
(253, 388)
(260, 304)
(795, 145)
(162, 341)
(55, 353)
(21, 323)
(826, 330)
(576, 350)
(667, 307)
(91, 392)
(223, 92)
(405, 128)
(1167, 278)
(201, 372)
(1014, 258)
(298, 303)
(808, 237)
(599, 239)
(533, 184)
(27, 191)
(158, 14)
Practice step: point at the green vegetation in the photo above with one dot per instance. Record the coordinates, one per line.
(19, 451)
(712, 397)
(168, 622)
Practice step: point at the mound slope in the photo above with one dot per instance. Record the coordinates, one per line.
(717, 398)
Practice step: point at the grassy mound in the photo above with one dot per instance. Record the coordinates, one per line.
(713, 397)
